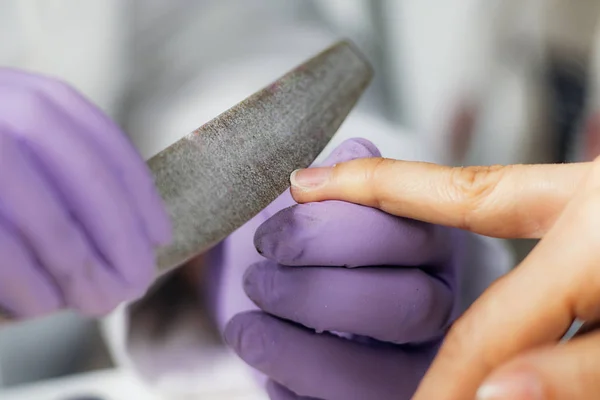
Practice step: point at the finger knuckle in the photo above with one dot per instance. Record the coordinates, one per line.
(473, 186)
(375, 176)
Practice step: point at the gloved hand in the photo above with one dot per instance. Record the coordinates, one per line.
(79, 214)
(386, 286)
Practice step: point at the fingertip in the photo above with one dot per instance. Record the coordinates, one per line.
(262, 240)
(48, 301)
(276, 238)
(139, 290)
(353, 181)
(97, 289)
(245, 333)
(140, 274)
(313, 185)
(104, 286)
(27, 290)
(309, 184)
(253, 281)
(520, 384)
(299, 195)
(234, 329)
(310, 179)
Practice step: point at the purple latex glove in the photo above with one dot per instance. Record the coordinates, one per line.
(388, 284)
(79, 214)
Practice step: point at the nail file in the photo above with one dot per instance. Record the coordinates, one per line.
(223, 174)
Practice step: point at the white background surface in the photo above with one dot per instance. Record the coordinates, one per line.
(117, 384)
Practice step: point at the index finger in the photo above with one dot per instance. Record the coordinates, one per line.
(533, 306)
(516, 201)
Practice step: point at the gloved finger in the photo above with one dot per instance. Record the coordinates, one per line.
(107, 139)
(335, 233)
(563, 372)
(26, 291)
(410, 306)
(88, 188)
(351, 149)
(512, 201)
(227, 262)
(348, 150)
(278, 392)
(322, 365)
(60, 246)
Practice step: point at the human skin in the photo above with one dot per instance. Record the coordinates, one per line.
(349, 302)
(506, 346)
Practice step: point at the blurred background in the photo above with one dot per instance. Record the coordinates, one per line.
(476, 81)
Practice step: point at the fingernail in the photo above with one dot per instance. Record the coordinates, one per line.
(310, 178)
(521, 386)
(253, 280)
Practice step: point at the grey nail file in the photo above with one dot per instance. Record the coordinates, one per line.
(223, 174)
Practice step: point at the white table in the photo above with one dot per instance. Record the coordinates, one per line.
(115, 384)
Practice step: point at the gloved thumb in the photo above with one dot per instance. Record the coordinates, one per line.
(351, 149)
